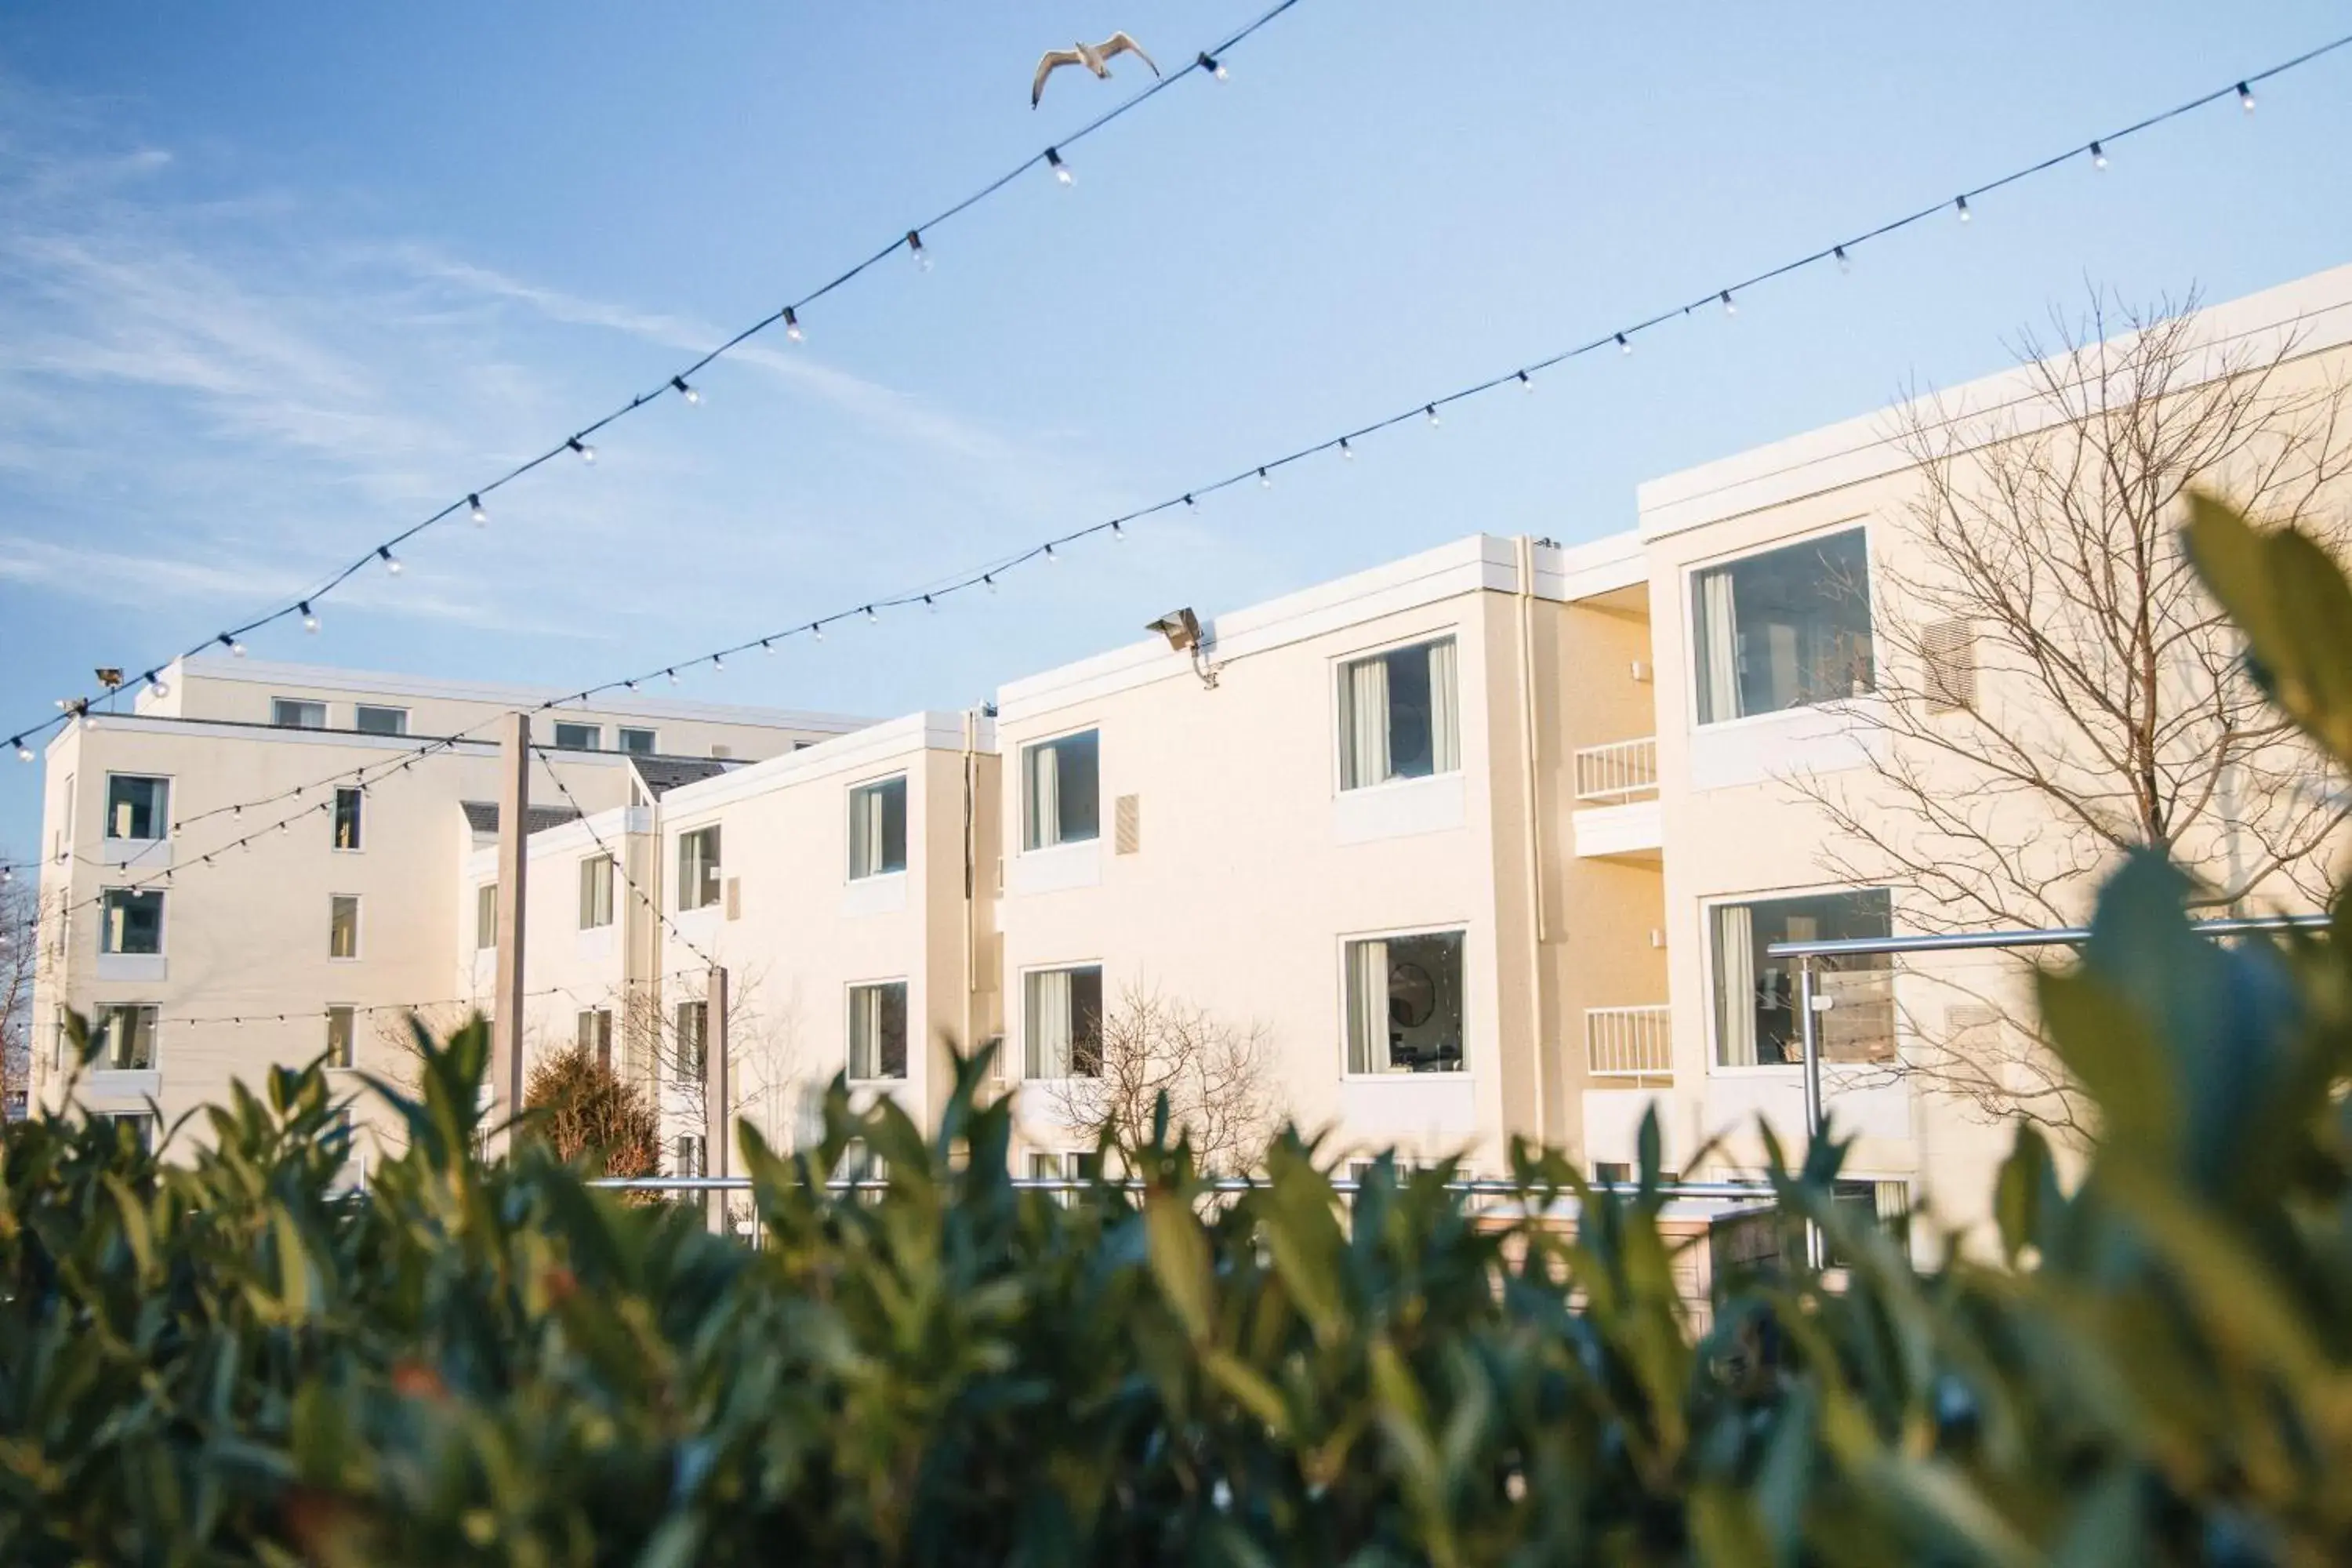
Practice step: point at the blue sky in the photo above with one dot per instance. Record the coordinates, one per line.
(278, 278)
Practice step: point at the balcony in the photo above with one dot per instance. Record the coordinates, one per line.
(1617, 800)
(1629, 1042)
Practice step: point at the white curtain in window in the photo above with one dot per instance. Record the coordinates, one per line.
(1718, 642)
(1044, 797)
(866, 830)
(1444, 723)
(1368, 1007)
(865, 1031)
(1735, 985)
(1893, 1200)
(1364, 723)
(1049, 1024)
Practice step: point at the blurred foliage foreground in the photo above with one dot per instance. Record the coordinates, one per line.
(229, 1360)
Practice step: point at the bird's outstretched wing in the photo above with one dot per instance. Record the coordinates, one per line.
(1120, 44)
(1053, 59)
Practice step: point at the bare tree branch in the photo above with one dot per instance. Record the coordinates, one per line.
(1217, 1078)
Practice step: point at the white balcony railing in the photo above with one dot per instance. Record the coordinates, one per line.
(1629, 1042)
(1619, 772)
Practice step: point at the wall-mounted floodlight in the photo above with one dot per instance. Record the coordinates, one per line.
(1180, 628)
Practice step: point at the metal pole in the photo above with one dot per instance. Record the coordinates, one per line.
(1808, 1031)
(506, 1004)
(714, 1095)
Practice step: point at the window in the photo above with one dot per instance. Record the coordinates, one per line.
(697, 869)
(62, 843)
(1625, 1174)
(347, 818)
(862, 1172)
(690, 1060)
(1398, 716)
(1787, 628)
(126, 1037)
(137, 808)
(595, 892)
(130, 919)
(1060, 795)
(486, 917)
(1756, 1020)
(1884, 1203)
(342, 1037)
(382, 720)
(686, 1156)
(141, 1124)
(639, 742)
(1404, 1003)
(290, 713)
(1063, 1165)
(878, 1030)
(343, 926)
(579, 736)
(596, 1035)
(1061, 1013)
(877, 828)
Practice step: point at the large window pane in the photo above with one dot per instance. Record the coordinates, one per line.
(290, 713)
(578, 737)
(1062, 1020)
(348, 803)
(690, 1056)
(878, 1030)
(382, 720)
(342, 1037)
(1400, 715)
(697, 869)
(128, 1043)
(595, 892)
(486, 917)
(1404, 1003)
(1756, 1023)
(1787, 628)
(596, 1035)
(130, 919)
(343, 927)
(137, 808)
(1061, 796)
(638, 742)
(877, 828)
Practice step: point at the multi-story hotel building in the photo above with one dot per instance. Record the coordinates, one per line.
(1486, 843)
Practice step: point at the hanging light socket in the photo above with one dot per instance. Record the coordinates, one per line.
(1209, 63)
(692, 395)
(791, 324)
(915, 247)
(587, 453)
(1061, 170)
(474, 509)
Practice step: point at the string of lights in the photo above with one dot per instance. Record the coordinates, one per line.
(620, 862)
(1726, 297)
(679, 383)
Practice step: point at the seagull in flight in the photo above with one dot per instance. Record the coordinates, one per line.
(1096, 58)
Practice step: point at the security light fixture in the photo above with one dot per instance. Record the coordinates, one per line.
(1180, 628)
(109, 677)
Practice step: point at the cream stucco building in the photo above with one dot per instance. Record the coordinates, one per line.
(1486, 843)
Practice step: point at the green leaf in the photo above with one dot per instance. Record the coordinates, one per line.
(1180, 1260)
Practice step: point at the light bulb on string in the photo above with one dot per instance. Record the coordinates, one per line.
(2245, 98)
(158, 685)
(1211, 64)
(1846, 262)
(391, 562)
(2098, 156)
(692, 395)
(587, 453)
(1118, 533)
(1052, 559)
(989, 580)
(870, 616)
(1729, 309)
(310, 617)
(931, 605)
(23, 751)
(816, 630)
(1433, 420)
(1346, 451)
(718, 664)
(1960, 205)
(793, 324)
(236, 648)
(767, 646)
(673, 676)
(1625, 344)
(1264, 480)
(1061, 170)
(1526, 382)
(915, 247)
(474, 509)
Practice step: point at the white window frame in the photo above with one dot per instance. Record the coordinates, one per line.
(298, 702)
(906, 803)
(1335, 681)
(154, 1035)
(106, 828)
(162, 923)
(603, 1028)
(605, 901)
(486, 891)
(850, 1029)
(352, 1043)
(595, 736)
(1468, 1070)
(359, 709)
(359, 821)
(1709, 959)
(653, 740)
(1692, 675)
(1021, 787)
(678, 1009)
(358, 929)
(714, 870)
(1063, 966)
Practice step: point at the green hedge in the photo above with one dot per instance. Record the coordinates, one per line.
(225, 1361)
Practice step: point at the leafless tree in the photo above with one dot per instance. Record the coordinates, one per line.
(1217, 1077)
(2054, 687)
(21, 949)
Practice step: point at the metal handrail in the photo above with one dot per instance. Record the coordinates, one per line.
(1479, 1186)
